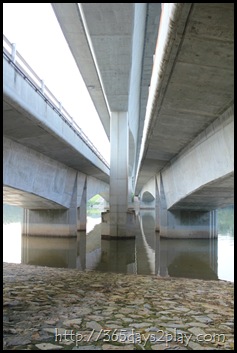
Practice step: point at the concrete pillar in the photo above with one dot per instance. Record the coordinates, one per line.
(157, 208)
(161, 207)
(72, 211)
(213, 224)
(118, 174)
(82, 210)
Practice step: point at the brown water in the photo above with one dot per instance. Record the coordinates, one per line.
(147, 254)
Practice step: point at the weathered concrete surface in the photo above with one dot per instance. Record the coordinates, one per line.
(33, 180)
(197, 221)
(114, 53)
(119, 173)
(39, 179)
(51, 222)
(202, 176)
(71, 22)
(29, 120)
(192, 83)
(191, 88)
(185, 87)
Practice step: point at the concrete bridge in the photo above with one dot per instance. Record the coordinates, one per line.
(161, 79)
(50, 168)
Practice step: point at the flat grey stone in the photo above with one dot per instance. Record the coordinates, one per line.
(72, 322)
(48, 346)
(87, 348)
(94, 325)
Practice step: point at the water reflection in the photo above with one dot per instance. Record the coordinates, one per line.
(146, 254)
(49, 251)
(192, 258)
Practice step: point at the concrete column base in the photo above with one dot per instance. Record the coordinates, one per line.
(50, 222)
(123, 230)
(189, 224)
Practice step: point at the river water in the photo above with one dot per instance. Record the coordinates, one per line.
(147, 254)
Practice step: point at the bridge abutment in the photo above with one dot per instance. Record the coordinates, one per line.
(50, 222)
(64, 222)
(191, 224)
(182, 223)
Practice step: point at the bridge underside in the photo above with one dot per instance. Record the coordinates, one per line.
(32, 121)
(192, 82)
(191, 87)
(215, 195)
(27, 200)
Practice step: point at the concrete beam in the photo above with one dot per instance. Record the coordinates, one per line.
(31, 121)
(205, 167)
(73, 27)
(192, 81)
(37, 175)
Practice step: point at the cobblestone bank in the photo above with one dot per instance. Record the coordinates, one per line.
(52, 309)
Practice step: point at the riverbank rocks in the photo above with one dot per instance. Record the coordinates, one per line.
(67, 309)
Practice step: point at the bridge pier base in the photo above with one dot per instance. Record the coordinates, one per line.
(190, 224)
(115, 230)
(50, 222)
(182, 223)
(187, 224)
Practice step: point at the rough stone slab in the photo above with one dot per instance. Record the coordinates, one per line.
(34, 324)
(48, 346)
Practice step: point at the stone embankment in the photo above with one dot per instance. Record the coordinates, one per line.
(63, 309)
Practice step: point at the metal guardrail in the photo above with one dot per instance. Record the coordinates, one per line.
(19, 63)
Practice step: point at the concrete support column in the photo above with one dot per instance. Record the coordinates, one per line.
(72, 211)
(161, 208)
(213, 224)
(157, 208)
(118, 173)
(82, 210)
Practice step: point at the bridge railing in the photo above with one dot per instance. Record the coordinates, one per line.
(15, 59)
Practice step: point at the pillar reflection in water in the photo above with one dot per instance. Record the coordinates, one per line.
(49, 251)
(117, 256)
(187, 257)
(147, 254)
(81, 250)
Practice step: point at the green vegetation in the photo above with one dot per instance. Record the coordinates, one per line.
(225, 220)
(94, 212)
(95, 206)
(95, 200)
